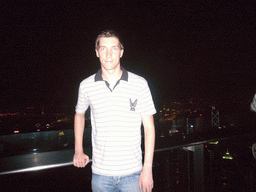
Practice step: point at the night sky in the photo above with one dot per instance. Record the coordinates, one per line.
(184, 50)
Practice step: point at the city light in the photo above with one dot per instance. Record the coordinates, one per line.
(227, 156)
(214, 142)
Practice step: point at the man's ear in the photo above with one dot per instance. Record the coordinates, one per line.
(122, 52)
(97, 53)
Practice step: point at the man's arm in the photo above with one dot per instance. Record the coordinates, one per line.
(146, 177)
(79, 159)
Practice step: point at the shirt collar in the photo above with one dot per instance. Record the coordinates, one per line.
(98, 76)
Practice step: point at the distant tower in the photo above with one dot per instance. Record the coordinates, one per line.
(215, 116)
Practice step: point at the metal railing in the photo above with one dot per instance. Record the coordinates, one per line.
(181, 162)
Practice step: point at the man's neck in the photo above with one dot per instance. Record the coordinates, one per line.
(112, 76)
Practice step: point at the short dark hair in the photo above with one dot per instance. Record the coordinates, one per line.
(108, 33)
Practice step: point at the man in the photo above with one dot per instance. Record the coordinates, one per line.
(119, 101)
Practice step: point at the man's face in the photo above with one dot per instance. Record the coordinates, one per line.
(109, 52)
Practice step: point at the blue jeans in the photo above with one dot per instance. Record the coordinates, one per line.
(129, 183)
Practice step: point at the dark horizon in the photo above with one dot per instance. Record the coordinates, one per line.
(184, 50)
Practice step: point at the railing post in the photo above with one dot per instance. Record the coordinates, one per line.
(199, 168)
(188, 159)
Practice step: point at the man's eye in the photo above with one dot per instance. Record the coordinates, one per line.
(103, 48)
(115, 48)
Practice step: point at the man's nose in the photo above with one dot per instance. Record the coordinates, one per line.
(109, 53)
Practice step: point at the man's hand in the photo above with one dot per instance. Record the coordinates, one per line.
(146, 180)
(80, 160)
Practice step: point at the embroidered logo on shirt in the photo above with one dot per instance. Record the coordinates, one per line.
(133, 104)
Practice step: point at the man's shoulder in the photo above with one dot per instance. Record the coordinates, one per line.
(132, 77)
(90, 79)
(88, 82)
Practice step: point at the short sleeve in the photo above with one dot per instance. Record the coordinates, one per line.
(253, 103)
(82, 101)
(145, 102)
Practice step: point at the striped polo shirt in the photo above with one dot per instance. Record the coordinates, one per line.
(116, 117)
